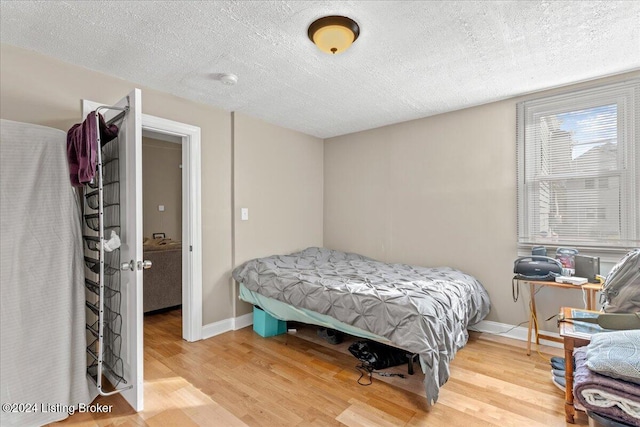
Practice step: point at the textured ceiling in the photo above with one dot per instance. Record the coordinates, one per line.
(412, 59)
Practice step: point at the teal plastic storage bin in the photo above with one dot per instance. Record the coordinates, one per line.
(267, 326)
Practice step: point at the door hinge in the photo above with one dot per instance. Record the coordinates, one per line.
(190, 248)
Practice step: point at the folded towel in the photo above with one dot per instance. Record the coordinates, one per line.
(614, 398)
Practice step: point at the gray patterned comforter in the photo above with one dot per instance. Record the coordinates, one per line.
(422, 310)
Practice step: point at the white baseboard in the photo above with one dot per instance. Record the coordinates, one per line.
(226, 325)
(217, 328)
(509, 331)
(243, 321)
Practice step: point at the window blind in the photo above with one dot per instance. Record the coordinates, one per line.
(578, 167)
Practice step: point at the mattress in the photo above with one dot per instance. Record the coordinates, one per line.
(283, 311)
(43, 357)
(422, 310)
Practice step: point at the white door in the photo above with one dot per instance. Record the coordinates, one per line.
(131, 237)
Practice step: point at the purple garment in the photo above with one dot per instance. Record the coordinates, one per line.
(82, 147)
(584, 378)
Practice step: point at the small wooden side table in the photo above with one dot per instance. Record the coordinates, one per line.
(571, 339)
(591, 290)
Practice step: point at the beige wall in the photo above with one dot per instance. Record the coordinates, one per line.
(278, 172)
(41, 90)
(161, 185)
(436, 191)
(278, 176)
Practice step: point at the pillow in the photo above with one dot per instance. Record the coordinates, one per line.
(615, 354)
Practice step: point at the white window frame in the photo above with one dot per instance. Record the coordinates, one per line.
(626, 95)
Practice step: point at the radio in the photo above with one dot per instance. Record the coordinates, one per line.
(534, 267)
(537, 267)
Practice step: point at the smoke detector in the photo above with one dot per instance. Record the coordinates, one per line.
(228, 79)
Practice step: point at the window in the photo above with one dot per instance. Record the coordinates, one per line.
(578, 169)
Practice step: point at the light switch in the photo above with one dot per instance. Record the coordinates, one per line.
(161, 208)
(244, 214)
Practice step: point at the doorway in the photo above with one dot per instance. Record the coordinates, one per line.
(130, 178)
(162, 224)
(187, 137)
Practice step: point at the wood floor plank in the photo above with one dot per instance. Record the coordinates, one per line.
(360, 414)
(171, 417)
(486, 412)
(297, 379)
(507, 388)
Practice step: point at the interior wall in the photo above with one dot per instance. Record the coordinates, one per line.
(278, 176)
(161, 185)
(438, 191)
(45, 91)
(434, 191)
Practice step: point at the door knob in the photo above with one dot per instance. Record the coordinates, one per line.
(127, 265)
(144, 265)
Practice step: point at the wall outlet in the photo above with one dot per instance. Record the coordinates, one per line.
(244, 214)
(161, 208)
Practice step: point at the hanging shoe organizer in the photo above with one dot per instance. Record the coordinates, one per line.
(101, 211)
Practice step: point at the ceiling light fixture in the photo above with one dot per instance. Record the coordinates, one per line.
(334, 34)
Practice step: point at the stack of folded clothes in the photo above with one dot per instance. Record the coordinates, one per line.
(557, 376)
(607, 377)
(557, 372)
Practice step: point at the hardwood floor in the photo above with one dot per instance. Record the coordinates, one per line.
(239, 378)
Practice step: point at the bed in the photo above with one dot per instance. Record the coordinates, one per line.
(422, 310)
(162, 284)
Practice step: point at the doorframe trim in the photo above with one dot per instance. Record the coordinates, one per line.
(192, 210)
